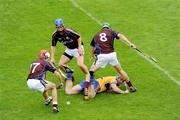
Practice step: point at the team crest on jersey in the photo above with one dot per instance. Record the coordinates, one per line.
(67, 41)
(59, 39)
(67, 38)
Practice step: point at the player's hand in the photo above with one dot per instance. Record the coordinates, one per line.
(126, 91)
(52, 61)
(60, 85)
(132, 45)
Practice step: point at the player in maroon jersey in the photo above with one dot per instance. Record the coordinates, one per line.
(103, 50)
(36, 78)
(74, 48)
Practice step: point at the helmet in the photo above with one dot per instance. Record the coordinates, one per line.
(59, 22)
(44, 53)
(105, 25)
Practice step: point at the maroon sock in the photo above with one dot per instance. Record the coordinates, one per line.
(86, 88)
(86, 84)
(129, 84)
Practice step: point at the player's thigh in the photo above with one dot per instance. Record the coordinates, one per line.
(101, 61)
(35, 85)
(113, 59)
(76, 89)
(94, 68)
(80, 60)
(64, 60)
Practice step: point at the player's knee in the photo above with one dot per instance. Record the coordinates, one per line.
(60, 65)
(125, 77)
(53, 85)
(68, 92)
(81, 65)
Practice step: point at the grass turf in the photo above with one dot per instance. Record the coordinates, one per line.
(26, 27)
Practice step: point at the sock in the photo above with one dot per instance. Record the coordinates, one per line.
(129, 84)
(91, 74)
(55, 104)
(69, 75)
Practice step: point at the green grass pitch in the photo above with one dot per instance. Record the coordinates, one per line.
(153, 25)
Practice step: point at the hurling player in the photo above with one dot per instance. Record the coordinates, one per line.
(74, 48)
(36, 78)
(103, 51)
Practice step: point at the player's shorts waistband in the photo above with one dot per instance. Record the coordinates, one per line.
(32, 79)
(107, 53)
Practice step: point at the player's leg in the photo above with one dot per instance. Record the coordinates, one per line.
(72, 90)
(47, 98)
(65, 58)
(92, 70)
(83, 67)
(69, 88)
(114, 62)
(51, 86)
(125, 77)
(39, 86)
(100, 62)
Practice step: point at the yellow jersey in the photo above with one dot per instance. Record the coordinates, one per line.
(105, 83)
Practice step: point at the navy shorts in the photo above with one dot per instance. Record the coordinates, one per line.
(94, 82)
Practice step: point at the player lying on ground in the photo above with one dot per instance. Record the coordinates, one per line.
(109, 83)
(36, 78)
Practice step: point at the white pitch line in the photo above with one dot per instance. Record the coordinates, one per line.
(161, 69)
(84, 11)
(154, 64)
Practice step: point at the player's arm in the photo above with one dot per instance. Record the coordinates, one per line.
(52, 54)
(125, 39)
(93, 48)
(80, 51)
(92, 92)
(116, 89)
(56, 73)
(92, 52)
(53, 47)
(50, 67)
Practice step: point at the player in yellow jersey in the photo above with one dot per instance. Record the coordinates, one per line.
(109, 83)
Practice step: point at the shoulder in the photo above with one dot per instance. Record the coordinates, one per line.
(68, 30)
(54, 33)
(48, 63)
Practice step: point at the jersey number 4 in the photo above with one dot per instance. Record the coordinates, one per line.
(103, 37)
(34, 66)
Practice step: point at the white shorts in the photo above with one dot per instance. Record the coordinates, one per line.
(37, 85)
(73, 52)
(103, 59)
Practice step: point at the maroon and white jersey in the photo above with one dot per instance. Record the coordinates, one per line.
(68, 37)
(103, 41)
(38, 69)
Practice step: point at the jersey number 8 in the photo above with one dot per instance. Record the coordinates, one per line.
(103, 37)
